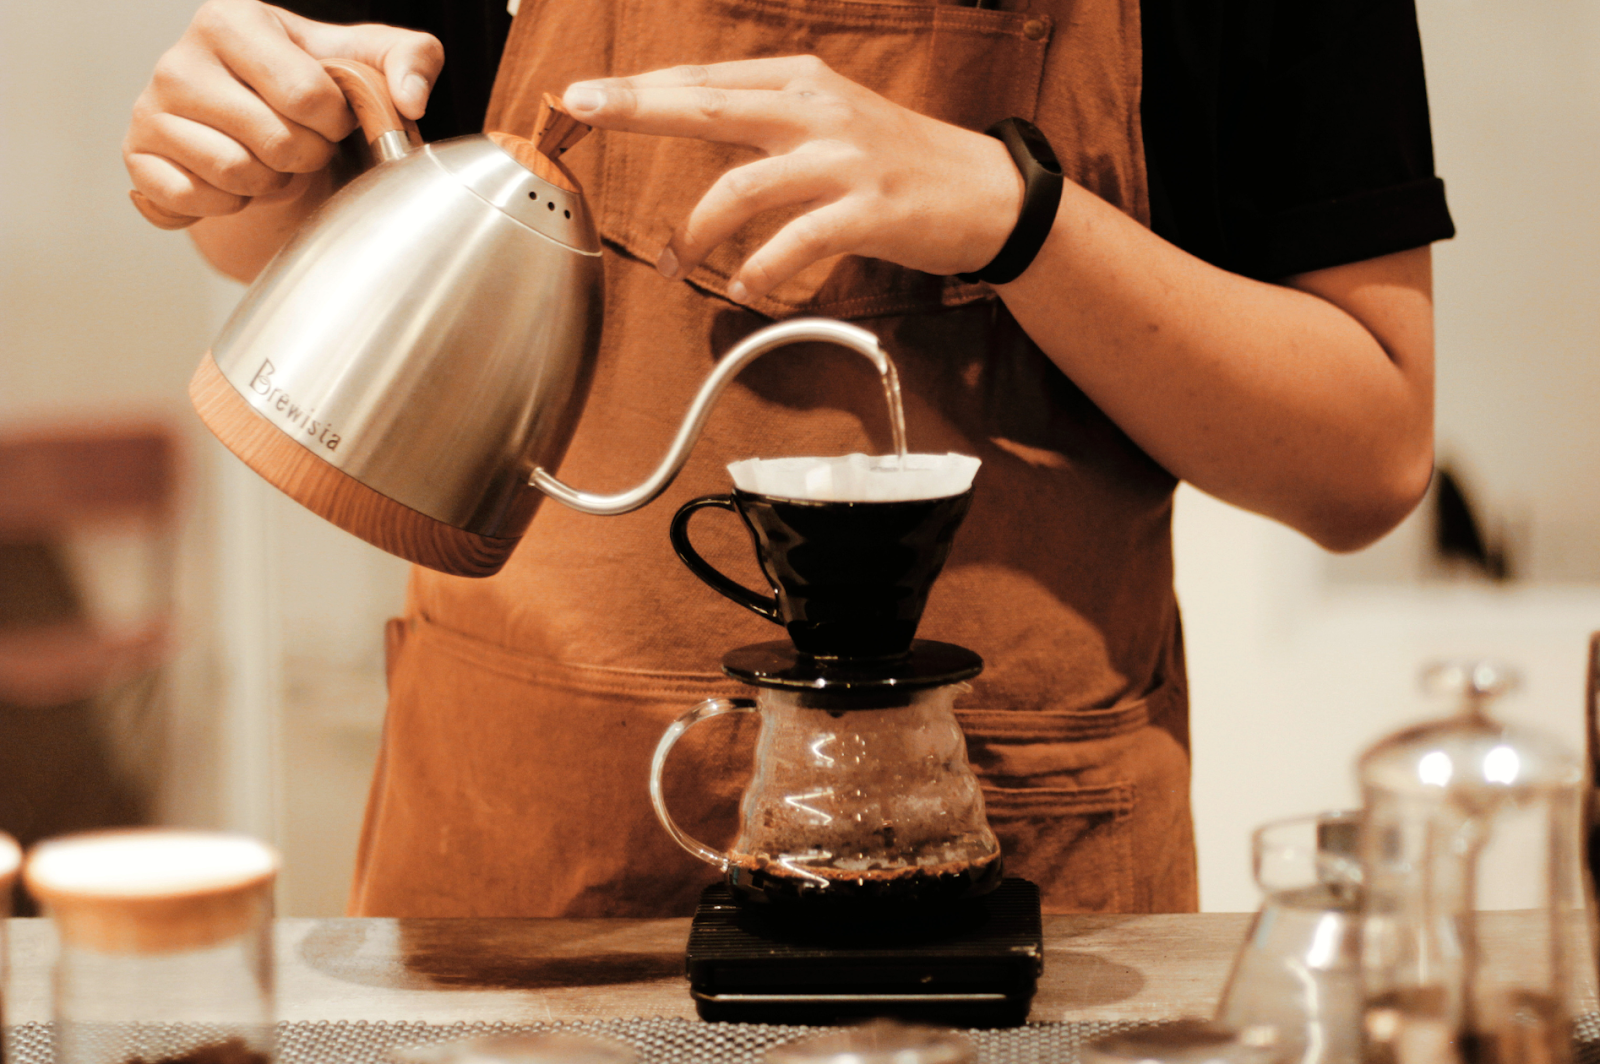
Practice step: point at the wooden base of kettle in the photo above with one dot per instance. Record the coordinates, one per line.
(334, 495)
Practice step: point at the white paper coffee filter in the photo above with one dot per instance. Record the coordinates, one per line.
(857, 477)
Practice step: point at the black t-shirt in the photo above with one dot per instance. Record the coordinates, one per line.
(1280, 135)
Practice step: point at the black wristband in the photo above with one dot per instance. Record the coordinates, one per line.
(1041, 195)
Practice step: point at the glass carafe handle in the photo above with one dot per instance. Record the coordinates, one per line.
(711, 707)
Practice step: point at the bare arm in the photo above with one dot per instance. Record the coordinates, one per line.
(239, 121)
(1309, 402)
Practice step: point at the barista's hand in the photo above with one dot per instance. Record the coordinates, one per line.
(874, 178)
(240, 105)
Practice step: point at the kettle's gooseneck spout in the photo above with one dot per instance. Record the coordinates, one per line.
(755, 345)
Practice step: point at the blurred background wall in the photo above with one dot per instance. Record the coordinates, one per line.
(266, 715)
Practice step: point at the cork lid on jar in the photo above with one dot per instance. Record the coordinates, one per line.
(153, 890)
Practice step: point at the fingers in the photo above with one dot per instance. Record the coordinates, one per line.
(178, 189)
(201, 141)
(241, 103)
(216, 159)
(741, 194)
(410, 61)
(191, 86)
(763, 103)
(774, 73)
(830, 230)
(253, 44)
(758, 118)
(833, 223)
(870, 176)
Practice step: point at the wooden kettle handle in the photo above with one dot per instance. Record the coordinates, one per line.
(366, 91)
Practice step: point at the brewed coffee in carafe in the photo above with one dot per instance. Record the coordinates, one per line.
(862, 797)
(858, 799)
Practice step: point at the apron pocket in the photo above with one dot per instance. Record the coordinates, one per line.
(510, 785)
(1071, 841)
(968, 66)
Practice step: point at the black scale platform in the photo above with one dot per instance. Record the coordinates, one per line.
(976, 965)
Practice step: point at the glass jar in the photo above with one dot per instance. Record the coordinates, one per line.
(166, 946)
(10, 861)
(1299, 972)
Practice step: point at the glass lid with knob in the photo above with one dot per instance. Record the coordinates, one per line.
(1473, 920)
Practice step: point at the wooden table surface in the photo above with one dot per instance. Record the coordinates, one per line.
(528, 971)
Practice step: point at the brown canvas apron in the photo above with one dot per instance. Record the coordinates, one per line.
(524, 708)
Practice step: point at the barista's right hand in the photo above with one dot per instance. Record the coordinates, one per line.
(240, 108)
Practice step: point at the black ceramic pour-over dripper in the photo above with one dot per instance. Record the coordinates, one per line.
(850, 579)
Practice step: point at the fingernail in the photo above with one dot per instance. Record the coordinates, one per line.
(738, 292)
(416, 87)
(585, 98)
(667, 264)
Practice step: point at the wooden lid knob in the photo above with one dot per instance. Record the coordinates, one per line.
(554, 131)
(153, 890)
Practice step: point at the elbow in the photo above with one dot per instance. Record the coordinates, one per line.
(1367, 514)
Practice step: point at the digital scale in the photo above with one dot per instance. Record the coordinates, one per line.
(971, 965)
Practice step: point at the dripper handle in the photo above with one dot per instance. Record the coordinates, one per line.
(711, 707)
(752, 347)
(765, 606)
(388, 133)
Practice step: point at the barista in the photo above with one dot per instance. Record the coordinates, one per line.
(1234, 290)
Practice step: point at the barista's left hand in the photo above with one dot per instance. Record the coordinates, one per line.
(873, 178)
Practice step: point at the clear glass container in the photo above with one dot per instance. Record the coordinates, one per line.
(166, 946)
(1299, 972)
(858, 797)
(1474, 919)
(10, 861)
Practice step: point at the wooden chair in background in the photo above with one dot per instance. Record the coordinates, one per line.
(87, 555)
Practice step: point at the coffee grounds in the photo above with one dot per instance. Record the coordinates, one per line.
(232, 1051)
(926, 884)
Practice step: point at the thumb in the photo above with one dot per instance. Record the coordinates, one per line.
(411, 65)
(410, 60)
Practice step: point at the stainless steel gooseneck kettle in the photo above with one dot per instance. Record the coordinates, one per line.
(413, 362)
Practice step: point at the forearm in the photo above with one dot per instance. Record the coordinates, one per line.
(1313, 409)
